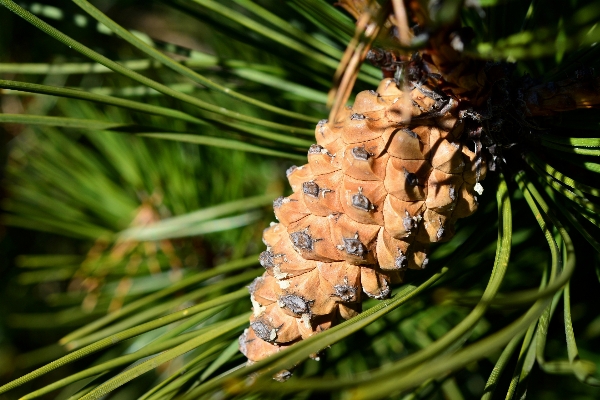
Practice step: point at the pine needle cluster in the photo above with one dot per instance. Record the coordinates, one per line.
(148, 140)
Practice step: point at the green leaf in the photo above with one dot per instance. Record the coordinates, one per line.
(192, 223)
(124, 335)
(268, 32)
(182, 69)
(223, 143)
(146, 351)
(113, 101)
(183, 348)
(58, 121)
(223, 358)
(134, 75)
(128, 309)
(146, 316)
(499, 367)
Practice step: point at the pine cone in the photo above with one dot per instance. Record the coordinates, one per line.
(387, 179)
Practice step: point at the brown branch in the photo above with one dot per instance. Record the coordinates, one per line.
(569, 94)
(449, 69)
(462, 77)
(401, 22)
(367, 28)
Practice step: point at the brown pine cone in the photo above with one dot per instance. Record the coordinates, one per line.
(381, 184)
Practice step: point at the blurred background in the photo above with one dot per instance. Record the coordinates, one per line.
(66, 192)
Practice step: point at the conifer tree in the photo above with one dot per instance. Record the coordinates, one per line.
(425, 249)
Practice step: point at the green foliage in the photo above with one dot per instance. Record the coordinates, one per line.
(153, 167)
